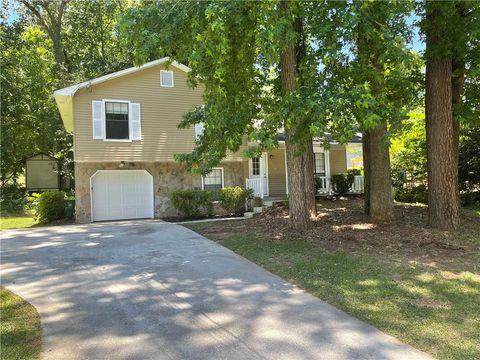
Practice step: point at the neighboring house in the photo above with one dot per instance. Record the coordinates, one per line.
(125, 135)
(41, 173)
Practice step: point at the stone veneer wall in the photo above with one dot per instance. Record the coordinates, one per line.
(167, 176)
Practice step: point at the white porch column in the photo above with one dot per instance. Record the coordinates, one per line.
(327, 169)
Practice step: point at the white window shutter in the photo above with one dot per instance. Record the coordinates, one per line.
(98, 117)
(135, 122)
(198, 130)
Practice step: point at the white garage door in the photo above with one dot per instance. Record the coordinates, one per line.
(122, 194)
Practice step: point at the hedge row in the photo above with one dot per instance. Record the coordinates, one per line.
(194, 203)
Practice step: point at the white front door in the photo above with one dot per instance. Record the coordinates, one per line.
(258, 169)
(121, 195)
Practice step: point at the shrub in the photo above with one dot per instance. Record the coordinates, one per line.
(13, 199)
(318, 184)
(192, 203)
(341, 183)
(470, 199)
(51, 206)
(417, 194)
(355, 172)
(233, 199)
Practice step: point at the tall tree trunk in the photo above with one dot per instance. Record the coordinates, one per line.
(308, 166)
(299, 216)
(376, 155)
(309, 179)
(378, 177)
(443, 201)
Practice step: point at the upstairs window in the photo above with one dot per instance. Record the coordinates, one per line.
(166, 78)
(116, 121)
(319, 164)
(214, 182)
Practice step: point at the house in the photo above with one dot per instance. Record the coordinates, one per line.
(125, 135)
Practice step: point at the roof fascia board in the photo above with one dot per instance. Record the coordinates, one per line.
(71, 90)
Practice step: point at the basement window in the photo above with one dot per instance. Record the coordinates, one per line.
(214, 182)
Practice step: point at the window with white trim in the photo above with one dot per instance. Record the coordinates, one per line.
(256, 166)
(319, 164)
(166, 78)
(214, 182)
(116, 121)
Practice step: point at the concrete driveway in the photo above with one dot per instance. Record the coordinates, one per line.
(152, 290)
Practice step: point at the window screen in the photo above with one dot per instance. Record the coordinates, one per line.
(214, 182)
(166, 78)
(116, 121)
(319, 159)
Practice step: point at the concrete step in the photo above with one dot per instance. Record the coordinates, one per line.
(248, 214)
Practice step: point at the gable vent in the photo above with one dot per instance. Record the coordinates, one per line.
(166, 78)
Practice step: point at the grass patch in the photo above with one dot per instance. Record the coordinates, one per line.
(14, 221)
(20, 330)
(433, 311)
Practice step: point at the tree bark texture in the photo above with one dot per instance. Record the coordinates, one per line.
(443, 203)
(443, 200)
(378, 176)
(299, 216)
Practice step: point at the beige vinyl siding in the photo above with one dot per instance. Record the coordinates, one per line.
(161, 110)
(276, 172)
(338, 159)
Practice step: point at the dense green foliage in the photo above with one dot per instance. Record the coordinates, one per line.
(469, 160)
(342, 183)
(234, 50)
(233, 199)
(51, 206)
(412, 194)
(46, 46)
(192, 203)
(13, 199)
(409, 153)
(30, 123)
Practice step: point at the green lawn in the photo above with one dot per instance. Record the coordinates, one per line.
(20, 330)
(13, 221)
(433, 310)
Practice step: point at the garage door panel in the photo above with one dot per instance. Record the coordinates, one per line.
(122, 194)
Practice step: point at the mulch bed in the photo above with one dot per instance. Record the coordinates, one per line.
(341, 225)
(174, 219)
